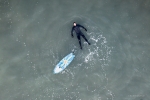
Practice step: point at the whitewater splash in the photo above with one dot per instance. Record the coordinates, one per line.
(99, 50)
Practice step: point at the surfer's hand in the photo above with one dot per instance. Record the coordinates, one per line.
(72, 36)
(85, 29)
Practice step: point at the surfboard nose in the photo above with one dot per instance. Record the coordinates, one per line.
(57, 69)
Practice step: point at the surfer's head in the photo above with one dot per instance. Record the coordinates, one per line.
(74, 24)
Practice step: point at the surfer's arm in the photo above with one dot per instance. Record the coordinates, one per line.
(72, 31)
(83, 27)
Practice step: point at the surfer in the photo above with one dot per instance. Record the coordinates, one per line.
(76, 28)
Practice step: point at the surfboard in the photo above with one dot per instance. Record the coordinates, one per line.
(63, 63)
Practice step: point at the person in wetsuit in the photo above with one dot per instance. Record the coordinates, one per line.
(76, 28)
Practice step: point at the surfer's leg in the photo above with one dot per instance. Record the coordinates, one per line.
(79, 41)
(85, 39)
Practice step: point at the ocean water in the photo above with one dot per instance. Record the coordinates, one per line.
(36, 34)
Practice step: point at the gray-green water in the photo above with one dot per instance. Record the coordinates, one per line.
(35, 36)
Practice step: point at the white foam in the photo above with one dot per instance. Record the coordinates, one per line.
(99, 50)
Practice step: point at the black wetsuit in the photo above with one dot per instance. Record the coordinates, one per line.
(79, 33)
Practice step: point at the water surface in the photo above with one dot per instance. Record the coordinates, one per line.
(35, 36)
